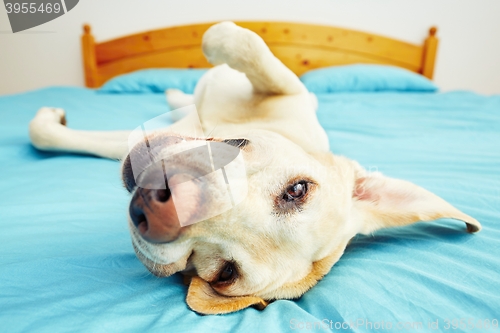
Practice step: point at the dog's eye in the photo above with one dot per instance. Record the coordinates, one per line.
(227, 273)
(296, 191)
(238, 143)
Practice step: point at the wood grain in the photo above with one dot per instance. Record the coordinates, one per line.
(89, 59)
(301, 47)
(429, 57)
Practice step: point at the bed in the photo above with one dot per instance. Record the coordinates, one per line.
(67, 263)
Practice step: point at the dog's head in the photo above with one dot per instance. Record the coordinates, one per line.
(299, 212)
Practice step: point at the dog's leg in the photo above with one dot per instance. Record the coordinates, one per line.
(177, 99)
(48, 132)
(246, 52)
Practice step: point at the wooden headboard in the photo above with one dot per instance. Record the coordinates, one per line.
(301, 47)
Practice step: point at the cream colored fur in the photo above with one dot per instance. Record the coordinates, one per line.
(278, 254)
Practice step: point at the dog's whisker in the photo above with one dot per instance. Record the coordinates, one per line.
(213, 129)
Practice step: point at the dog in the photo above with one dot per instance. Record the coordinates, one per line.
(302, 203)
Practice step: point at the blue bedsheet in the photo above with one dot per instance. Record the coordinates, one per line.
(67, 264)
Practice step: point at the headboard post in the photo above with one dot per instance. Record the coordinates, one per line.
(430, 50)
(89, 58)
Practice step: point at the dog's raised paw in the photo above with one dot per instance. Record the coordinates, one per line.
(228, 43)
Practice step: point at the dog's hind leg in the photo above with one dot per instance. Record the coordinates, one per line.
(177, 99)
(246, 52)
(48, 132)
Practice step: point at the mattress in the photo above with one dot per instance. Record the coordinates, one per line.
(67, 263)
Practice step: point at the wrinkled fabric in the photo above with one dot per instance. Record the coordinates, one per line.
(67, 264)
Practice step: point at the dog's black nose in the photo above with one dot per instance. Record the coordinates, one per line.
(154, 215)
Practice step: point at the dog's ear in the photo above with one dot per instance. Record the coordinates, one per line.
(203, 299)
(381, 202)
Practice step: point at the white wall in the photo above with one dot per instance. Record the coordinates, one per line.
(468, 57)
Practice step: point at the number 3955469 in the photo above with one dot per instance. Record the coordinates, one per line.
(27, 7)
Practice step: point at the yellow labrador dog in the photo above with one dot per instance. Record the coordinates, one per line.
(302, 205)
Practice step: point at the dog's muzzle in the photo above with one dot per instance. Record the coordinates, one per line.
(177, 187)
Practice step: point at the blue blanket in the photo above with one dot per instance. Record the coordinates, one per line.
(67, 264)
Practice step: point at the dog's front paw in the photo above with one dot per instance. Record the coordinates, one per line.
(45, 126)
(50, 115)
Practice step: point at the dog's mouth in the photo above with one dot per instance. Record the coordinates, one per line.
(159, 270)
(161, 260)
